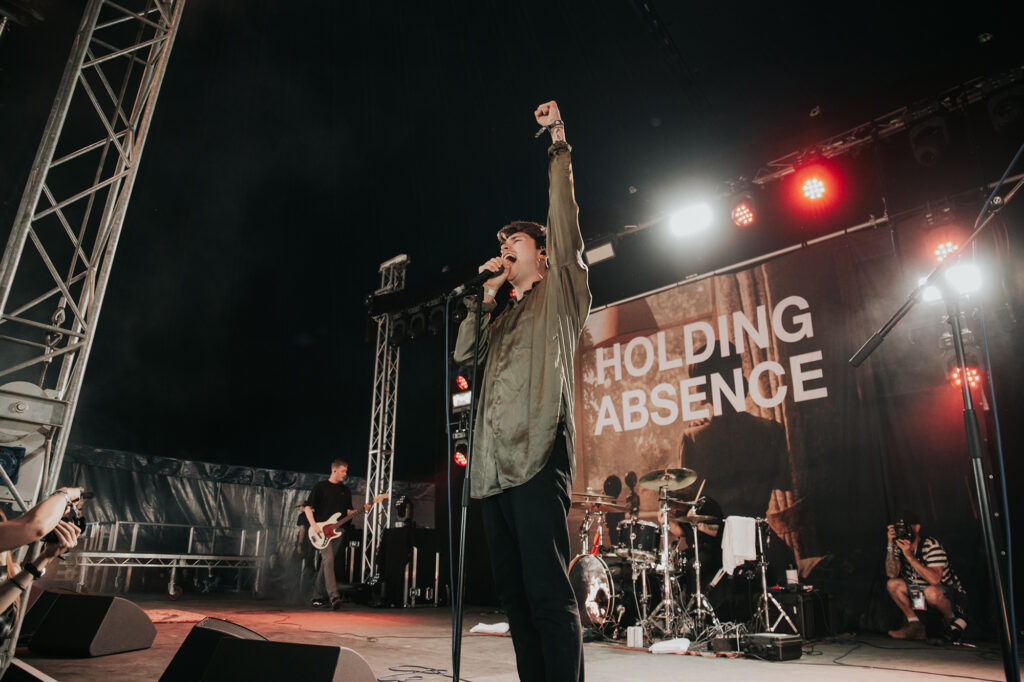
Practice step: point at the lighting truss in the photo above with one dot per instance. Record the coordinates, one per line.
(57, 262)
(383, 411)
(954, 99)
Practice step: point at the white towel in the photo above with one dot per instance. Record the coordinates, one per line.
(670, 646)
(490, 629)
(738, 542)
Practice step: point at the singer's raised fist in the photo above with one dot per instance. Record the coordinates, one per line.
(547, 113)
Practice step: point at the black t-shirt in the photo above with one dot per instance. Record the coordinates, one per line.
(326, 498)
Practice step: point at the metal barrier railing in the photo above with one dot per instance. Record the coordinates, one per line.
(104, 548)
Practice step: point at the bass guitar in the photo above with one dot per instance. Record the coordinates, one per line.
(331, 528)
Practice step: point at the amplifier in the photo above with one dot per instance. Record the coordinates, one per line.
(809, 611)
(772, 647)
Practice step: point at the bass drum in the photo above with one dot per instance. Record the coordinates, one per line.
(607, 597)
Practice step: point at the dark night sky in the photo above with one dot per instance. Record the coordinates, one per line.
(297, 145)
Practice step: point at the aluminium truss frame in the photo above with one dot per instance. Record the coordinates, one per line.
(57, 263)
(383, 410)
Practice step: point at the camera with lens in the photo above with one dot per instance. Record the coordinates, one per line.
(74, 515)
(904, 530)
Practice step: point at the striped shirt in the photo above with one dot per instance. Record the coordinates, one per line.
(930, 552)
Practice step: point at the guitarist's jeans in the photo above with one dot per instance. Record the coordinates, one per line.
(324, 585)
(529, 546)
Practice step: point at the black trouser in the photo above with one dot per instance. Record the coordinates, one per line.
(529, 545)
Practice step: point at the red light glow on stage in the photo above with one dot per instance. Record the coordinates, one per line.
(973, 377)
(945, 249)
(743, 215)
(462, 382)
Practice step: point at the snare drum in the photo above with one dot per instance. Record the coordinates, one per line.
(638, 539)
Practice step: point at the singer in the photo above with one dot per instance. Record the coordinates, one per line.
(524, 447)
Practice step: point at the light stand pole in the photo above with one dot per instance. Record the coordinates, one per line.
(1007, 629)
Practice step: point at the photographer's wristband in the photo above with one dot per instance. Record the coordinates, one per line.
(65, 493)
(33, 570)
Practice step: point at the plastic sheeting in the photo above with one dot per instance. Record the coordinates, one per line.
(134, 488)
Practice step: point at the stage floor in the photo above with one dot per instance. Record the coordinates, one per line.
(398, 642)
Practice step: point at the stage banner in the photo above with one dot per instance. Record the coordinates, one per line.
(743, 378)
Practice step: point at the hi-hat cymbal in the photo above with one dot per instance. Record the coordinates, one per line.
(592, 497)
(598, 506)
(670, 479)
(698, 518)
(673, 503)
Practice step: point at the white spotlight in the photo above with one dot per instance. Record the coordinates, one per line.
(690, 220)
(965, 278)
(930, 293)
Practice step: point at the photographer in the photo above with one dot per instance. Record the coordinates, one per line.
(39, 520)
(920, 577)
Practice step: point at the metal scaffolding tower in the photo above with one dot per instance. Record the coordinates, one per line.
(56, 266)
(381, 460)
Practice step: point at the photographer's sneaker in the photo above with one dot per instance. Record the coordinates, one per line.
(912, 630)
(955, 630)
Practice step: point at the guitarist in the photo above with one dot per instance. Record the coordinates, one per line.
(326, 498)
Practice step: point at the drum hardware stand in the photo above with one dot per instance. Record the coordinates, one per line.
(703, 609)
(599, 536)
(763, 610)
(668, 605)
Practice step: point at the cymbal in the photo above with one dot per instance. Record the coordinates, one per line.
(675, 503)
(598, 506)
(698, 518)
(593, 496)
(670, 479)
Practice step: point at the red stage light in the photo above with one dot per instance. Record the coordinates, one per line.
(461, 447)
(973, 377)
(462, 382)
(813, 188)
(743, 214)
(945, 249)
(512, 293)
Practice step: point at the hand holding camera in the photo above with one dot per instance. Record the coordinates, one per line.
(65, 534)
(62, 538)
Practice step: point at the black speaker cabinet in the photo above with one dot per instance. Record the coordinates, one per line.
(407, 583)
(39, 605)
(19, 671)
(80, 626)
(809, 611)
(244, 660)
(196, 652)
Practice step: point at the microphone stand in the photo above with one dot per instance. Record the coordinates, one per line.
(1007, 631)
(459, 587)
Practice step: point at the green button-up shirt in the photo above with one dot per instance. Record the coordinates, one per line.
(527, 353)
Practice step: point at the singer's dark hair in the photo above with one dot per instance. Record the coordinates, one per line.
(538, 232)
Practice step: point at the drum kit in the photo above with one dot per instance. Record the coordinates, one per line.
(643, 580)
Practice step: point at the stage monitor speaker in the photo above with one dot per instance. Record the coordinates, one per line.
(196, 651)
(80, 626)
(240, 660)
(39, 605)
(20, 671)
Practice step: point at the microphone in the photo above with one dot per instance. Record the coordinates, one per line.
(476, 280)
